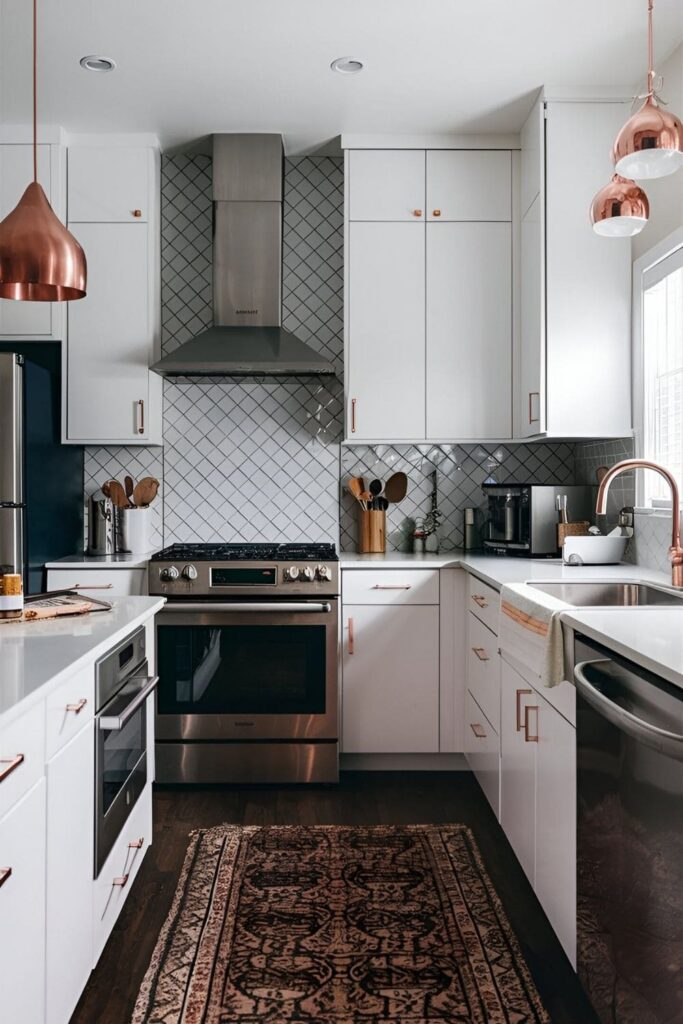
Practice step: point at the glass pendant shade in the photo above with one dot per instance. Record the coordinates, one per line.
(650, 145)
(620, 209)
(40, 261)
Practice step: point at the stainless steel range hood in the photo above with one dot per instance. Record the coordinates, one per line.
(247, 338)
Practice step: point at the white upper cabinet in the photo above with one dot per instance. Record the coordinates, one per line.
(469, 344)
(109, 184)
(575, 347)
(111, 397)
(385, 365)
(386, 184)
(469, 185)
(23, 321)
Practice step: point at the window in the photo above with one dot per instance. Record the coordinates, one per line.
(659, 358)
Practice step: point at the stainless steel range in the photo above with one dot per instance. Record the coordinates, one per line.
(247, 662)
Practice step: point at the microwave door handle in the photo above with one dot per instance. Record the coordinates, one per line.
(669, 743)
(113, 723)
(242, 607)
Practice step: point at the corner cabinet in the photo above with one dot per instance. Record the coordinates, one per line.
(428, 295)
(111, 396)
(574, 355)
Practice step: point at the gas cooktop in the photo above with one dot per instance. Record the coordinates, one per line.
(247, 553)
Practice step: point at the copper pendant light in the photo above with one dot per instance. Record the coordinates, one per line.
(39, 259)
(650, 145)
(620, 209)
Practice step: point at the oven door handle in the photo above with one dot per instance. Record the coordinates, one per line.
(113, 723)
(254, 607)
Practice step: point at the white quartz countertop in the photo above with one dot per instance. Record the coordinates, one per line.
(121, 560)
(35, 654)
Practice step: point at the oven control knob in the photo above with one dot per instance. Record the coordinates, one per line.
(308, 573)
(169, 574)
(323, 572)
(189, 572)
(292, 573)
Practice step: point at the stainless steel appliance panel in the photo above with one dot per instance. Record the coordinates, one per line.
(629, 839)
(244, 763)
(522, 519)
(11, 429)
(247, 269)
(11, 539)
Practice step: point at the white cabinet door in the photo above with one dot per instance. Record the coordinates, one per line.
(533, 157)
(22, 910)
(469, 331)
(69, 874)
(531, 399)
(23, 319)
(555, 881)
(109, 184)
(386, 184)
(482, 751)
(123, 582)
(385, 363)
(390, 689)
(469, 185)
(518, 768)
(110, 343)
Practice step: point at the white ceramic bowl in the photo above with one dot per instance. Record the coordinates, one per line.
(594, 550)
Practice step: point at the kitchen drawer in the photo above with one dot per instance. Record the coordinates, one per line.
(483, 669)
(68, 709)
(22, 755)
(123, 582)
(120, 868)
(484, 602)
(482, 751)
(390, 586)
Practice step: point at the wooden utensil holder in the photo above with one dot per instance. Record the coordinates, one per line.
(579, 529)
(372, 527)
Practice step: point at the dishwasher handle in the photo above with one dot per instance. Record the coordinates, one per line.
(669, 743)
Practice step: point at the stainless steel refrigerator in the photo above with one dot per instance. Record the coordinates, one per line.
(41, 480)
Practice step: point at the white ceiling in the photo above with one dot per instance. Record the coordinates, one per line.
(190, 67)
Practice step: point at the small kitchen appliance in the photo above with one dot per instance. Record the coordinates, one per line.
(247, 660)
(522, 519)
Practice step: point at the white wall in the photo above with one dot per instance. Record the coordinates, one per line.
(665, 194)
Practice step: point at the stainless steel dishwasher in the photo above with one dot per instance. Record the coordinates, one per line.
(629, 839)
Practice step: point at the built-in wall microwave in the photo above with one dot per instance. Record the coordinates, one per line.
(521, 519)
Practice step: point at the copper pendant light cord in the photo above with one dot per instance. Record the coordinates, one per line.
(650, 50)
(35, 91)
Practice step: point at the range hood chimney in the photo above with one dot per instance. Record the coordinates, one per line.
(247, 338)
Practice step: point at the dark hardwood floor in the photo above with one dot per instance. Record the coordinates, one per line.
(362, 798)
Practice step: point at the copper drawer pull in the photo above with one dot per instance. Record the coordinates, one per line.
(392, 586)
(141, 409)
(480, 600)
(478, 730)
(417, 213)
(528, 738)
(10, 764)
(121, 880)
(481, 653)
(518, 714)
(78, 707)
(136, 844)
(137, 213)
(4, 875)
(436, 213)
(353, 415)
(533, 419)
(350, 636)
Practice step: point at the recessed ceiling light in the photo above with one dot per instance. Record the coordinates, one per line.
(347, 65)
(96, 63)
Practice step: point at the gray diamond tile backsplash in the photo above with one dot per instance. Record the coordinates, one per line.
(261, 460)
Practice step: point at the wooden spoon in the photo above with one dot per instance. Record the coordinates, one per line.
(145, 491)
(396, 487)
(118, 495)
(105, 489)
(128, 484)
(355, 487)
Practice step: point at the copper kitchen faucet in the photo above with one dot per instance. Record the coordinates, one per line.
(675, 551)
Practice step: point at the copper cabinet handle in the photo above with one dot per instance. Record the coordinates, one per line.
(478, 730)
(392, 586)
(436, 213)
(350, 645)
(528, 738)
(10, 764)
(518, 708)
(121, 880)
(417, 213)
(4, 875)
(534, 419)
(480, 600)
(141, 410)
(137, 213)
(78, 707)
(481, 653)
(353, 415)
(136, 844)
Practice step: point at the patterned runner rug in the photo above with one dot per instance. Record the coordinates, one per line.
(336, 925)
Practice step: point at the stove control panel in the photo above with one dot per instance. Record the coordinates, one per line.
(306, 573)
(169, 574)
(189, 573)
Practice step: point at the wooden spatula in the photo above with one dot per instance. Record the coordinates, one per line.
(145, 491)
(118, 495)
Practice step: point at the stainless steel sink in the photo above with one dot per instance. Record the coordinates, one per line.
(608, 595)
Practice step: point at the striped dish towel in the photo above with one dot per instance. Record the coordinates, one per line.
(530, 630)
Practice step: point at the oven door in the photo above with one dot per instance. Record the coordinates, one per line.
(247, 670)
(120, 759)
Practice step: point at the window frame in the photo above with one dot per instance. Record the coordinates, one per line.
(643, 267)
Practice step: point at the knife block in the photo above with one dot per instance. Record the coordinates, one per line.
(372, 529)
